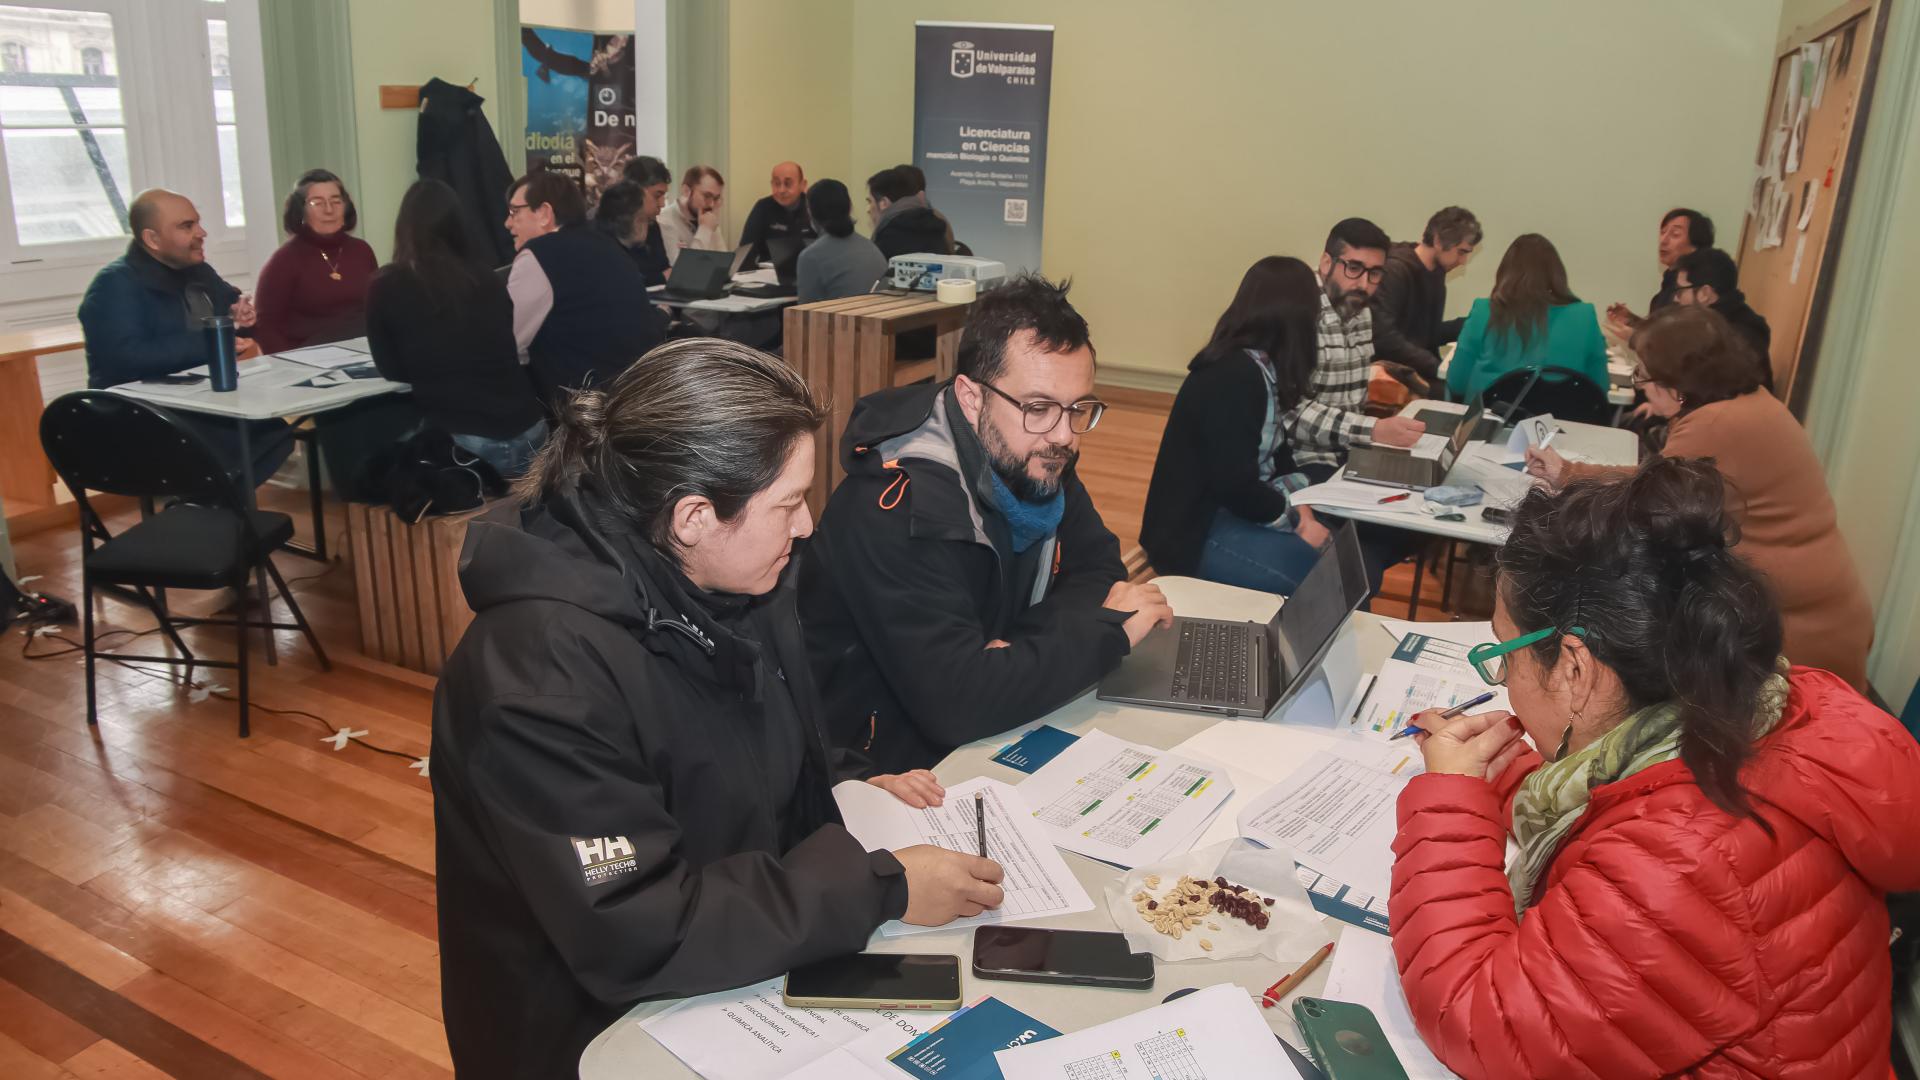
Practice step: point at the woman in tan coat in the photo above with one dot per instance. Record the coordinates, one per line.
(1696, 369)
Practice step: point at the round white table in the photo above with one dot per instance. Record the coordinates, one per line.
(625, 1050)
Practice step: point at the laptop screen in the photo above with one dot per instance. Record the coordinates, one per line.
(1461, 436)
(1312, 615)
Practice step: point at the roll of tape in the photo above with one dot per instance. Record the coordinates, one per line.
(954, 291)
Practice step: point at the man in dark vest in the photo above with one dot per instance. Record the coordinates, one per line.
(580, 313)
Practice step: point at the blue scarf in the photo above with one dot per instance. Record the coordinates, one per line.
(1029, 522)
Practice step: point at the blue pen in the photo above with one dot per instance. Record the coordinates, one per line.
(1449, 714)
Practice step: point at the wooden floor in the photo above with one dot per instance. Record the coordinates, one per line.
(177, 901)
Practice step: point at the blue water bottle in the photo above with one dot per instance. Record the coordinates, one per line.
(223, 369)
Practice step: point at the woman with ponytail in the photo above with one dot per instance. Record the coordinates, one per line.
(631, 780)
(1703, 836)
(1701, 372)
(841, 262)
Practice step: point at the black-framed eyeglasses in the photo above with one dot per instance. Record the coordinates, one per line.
(515, 207)
(1042, 416)
(1357, 269)
(1639, 378)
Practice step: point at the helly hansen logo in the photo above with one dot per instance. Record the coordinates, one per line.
(604, 858)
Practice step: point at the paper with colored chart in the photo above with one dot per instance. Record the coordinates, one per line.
(1423, 673)
(1123, 803)
(1212, 1034)
(1336, 815)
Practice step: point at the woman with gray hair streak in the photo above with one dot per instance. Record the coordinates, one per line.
(631, 781)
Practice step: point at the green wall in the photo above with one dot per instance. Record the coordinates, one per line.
(407, 43)
(1189, 141)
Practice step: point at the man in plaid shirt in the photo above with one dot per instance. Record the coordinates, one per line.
(1331, 417)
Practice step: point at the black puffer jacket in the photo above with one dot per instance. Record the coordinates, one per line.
(912, 573)
(631, 795)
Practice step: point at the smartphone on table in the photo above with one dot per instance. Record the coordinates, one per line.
(1346, 1041)
(876, 981)
(1068, 957)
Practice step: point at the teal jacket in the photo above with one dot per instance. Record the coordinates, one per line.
(1572, 340)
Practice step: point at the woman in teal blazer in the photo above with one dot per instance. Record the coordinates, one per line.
(1531, 319)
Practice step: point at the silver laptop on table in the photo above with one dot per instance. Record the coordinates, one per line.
(1246, 668)
(1391, 466)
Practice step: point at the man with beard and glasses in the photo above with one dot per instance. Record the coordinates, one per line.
(1331, 417)
(961, 583)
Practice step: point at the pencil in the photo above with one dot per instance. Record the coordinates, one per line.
(980, 819)
(1287, 985)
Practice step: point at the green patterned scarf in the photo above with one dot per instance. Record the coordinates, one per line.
(1552, 800)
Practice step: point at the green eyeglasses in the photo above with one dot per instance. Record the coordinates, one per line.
(1490, 659)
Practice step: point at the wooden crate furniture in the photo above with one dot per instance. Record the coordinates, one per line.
(849, 348)
(406, 579)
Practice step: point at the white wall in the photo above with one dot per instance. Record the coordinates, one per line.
(611, 16)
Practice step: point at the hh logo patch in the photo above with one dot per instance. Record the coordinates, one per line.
(604, 858)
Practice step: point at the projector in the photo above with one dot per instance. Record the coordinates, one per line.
(921, 270)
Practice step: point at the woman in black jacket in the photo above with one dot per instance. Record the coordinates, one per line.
(630, 776)
(437, 319)
(1217, 506)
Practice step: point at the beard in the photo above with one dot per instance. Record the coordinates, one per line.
(1347, 302)
(1011, 467)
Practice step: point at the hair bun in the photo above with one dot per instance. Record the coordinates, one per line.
(1680, 506)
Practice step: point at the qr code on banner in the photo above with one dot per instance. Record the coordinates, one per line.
(1016, 212)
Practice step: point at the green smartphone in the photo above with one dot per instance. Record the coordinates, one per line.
(1346, 1041)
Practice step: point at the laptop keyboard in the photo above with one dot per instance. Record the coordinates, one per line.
(1212, 665)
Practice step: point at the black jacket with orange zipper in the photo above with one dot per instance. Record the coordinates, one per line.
(911, 574)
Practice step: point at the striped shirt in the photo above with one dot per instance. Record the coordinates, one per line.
(1329, 418)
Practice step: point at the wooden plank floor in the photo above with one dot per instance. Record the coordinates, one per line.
(177, 901)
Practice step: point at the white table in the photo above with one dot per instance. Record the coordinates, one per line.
(725, 305)
(624, 1050)
(1504, 486)
(270, 388)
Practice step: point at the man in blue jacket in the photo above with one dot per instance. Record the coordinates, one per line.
(142, 318)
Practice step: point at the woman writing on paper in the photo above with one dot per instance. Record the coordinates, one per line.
(1697, 369)
(1706, 836)
(630, 776)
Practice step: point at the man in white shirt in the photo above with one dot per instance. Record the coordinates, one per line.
(694, 220)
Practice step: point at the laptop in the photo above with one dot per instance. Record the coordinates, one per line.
(784, 253)
(1246, 668)
(702, 275)
(1446, 423)
(1391, 466)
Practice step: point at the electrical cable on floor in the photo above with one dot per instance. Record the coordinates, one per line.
(213, 690)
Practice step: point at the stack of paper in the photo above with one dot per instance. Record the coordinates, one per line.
(1353, 495)
(1423, 673)
(1335, 814)
(751, 1034)
(1214, 1034)
(1124, 803)
(343, 354)
(1037, 883)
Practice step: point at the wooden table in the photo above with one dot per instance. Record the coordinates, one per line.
(849, 348)
(26, 478)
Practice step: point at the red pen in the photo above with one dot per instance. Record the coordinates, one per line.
(1287, 985)
(1396, 498)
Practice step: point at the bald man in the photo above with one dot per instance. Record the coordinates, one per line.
(781, 213)
(142, 315)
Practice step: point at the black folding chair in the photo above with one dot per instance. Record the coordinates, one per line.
(1548, 389)
(207, 539)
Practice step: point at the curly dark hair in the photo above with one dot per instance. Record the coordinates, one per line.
(293, 217)
(1645, 564)
(1028, 302)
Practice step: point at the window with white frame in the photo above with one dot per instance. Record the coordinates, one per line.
(101, 99)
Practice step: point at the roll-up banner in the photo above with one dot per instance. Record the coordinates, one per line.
(580, 104)
(980, 94)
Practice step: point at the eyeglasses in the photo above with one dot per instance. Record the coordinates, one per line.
(1042, 416)
(333, 203)
(1639, 378)
(1490, 659)
(1356, 270)
(515, 207)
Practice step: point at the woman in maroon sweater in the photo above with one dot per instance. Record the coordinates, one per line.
(314, 289)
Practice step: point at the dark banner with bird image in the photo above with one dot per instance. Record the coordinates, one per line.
(580, 107)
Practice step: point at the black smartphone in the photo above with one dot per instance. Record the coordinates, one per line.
(876, 981)
(1070, 957)
(1499, 515)
(175, 380)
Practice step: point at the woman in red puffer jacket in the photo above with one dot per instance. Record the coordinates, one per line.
(1703, 854)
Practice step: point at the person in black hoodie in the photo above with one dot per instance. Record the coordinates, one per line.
(1709, 278)
(1217, 507)
(1410, 306)
(630, 780)
(903, 223)
(962, 582)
